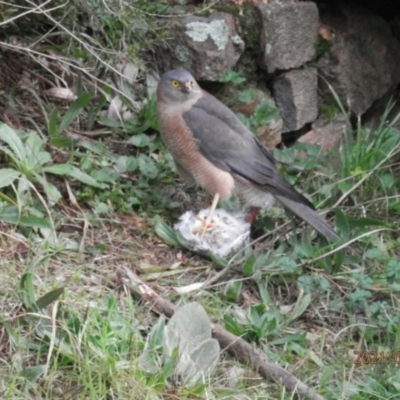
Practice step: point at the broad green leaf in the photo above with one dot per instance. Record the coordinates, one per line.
(32, 374)
(37, 160)
(111, 123)
(301, 306)
(99, 149)
(140, 140)
(59, 169)
(49, 298)
(73, 172)
(376, 254)
(246, 96)
(284, 156)
(52, 192)
(10, 136)
(6, 150)
(148, 167)
(105, 174)
(126, 164)
(73, 111)
(265, 111)
(287, 264)
(35, 157)
(232, 76)
(33, 222)
(85, 178)
(8, 176)
(11, 215)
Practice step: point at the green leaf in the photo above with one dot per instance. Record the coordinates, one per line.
(232, 326)
(148, 167)
(32, 374)
(95, 109)
(342, 223)
(376, 254)
(52, 126)
(358, 296)
(105, 174)
(301, 306)
(287, 264)
(52, 192)
(166, 233)
(284, 156)
(365, 222)
(8, 176)
(140, 140)
(49, 298)
(59, 141)
(265, 111)
(126, 164)
(27, 292)
(12, 215)
(111, 123)
(157, 333)
(246, 96)
(73, 111)
(232, 76)
(248, 267)
(74, 172)
(98, 149)
(393, 270)
(59, 169)
(33, 222)
(232, 290)
(11, 138)
(220, 261)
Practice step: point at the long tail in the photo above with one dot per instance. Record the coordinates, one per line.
(310, 216)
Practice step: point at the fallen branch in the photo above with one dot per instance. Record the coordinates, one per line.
(236, 346)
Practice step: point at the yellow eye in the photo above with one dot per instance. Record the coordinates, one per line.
(175, 83)
(191, 83)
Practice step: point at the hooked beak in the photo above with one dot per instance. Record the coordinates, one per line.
(186, 88)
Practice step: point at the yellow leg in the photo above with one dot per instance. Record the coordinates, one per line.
(207, 222)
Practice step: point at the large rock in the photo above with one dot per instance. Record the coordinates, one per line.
(295, 93)
(288, 34)
(363, 61)
(207, 47)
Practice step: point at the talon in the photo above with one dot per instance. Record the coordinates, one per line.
(204, 226)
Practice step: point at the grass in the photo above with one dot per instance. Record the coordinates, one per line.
(75, 207)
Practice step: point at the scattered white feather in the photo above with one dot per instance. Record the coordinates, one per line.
(188, 288)
(229, 231)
